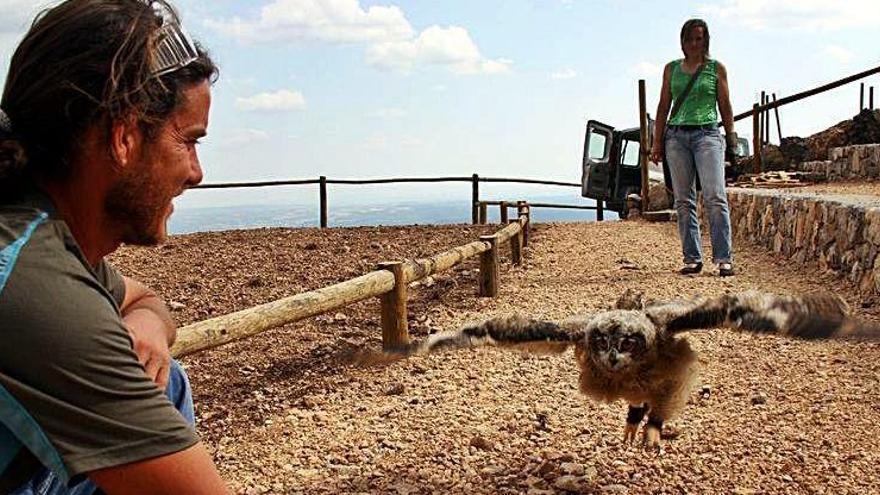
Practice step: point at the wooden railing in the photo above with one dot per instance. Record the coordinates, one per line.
(474, 179)
(389, 282)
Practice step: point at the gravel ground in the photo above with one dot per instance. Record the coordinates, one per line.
(283, 412)
(848, 187)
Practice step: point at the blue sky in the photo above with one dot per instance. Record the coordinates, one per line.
(356, 88)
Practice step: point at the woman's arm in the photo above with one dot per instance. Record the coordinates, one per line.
(662, 115)
(724, 105)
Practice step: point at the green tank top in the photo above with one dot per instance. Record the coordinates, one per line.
(699, 107)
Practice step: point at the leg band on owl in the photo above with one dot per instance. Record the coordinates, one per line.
(636, 414)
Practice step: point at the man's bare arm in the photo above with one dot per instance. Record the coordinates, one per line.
(189, 471)
(151, 327)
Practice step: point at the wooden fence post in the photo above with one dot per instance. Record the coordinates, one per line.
(394, 325)
(861, 96)
(763, 115)
(475, 198)
(489, 267)
(323, 189)
(756, 137)
(484, 212)
(778, 125)
(643, 145)
(516, 243)
(503, 210)
(522, 208)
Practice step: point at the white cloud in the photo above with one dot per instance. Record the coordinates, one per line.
(387, 36)
(239, 137)
(334, 21)
(811, 15)
(375, 142)
(450, 47)
(647, 70)
(838, 53)
(564, 74)
(411, 142)
(391, 113)
(279, 101)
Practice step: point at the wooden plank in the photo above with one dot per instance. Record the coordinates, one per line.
(421, 268)
(234, 326)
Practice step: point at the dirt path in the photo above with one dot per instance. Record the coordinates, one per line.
(282, 413)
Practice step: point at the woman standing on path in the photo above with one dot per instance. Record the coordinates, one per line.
(698, 87)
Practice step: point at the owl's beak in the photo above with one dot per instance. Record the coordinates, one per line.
(613, 358)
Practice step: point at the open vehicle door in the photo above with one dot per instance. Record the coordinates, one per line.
(597, 167)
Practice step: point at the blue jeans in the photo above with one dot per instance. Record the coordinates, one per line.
(46, 483)
(699, 151)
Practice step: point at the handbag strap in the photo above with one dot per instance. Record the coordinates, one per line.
(677, 106)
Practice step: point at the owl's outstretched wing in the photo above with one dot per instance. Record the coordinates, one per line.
(820, 315)
(513, 330)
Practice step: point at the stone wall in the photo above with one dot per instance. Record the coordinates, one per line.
(841, 233)
(850, 162)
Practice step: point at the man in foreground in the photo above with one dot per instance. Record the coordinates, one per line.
(102, 109)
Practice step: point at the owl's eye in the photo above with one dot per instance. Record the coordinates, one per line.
(631, 343)
(600, 341)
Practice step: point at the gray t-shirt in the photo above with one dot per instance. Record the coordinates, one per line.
(73, 396)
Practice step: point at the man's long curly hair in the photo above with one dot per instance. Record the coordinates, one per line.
(84, 63)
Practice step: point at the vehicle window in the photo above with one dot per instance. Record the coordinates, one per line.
(630, 153)
(597, 145)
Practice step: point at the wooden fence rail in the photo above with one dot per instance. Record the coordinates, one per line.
(389, 281)
(478, 210)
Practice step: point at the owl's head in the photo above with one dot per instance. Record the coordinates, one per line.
(619, 339)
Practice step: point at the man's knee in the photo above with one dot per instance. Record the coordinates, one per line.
(179, 391)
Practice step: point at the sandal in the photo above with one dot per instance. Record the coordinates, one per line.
(691, 268)
(725, 270)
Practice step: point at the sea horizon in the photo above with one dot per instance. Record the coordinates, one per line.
(191, 219)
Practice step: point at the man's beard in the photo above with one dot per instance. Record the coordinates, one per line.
(136, 208)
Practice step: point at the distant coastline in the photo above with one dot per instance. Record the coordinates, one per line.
(204, 219)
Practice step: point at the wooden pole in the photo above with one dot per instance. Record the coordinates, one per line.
(778, 125)
(600, 210)
(756, 137)
(861, 96)
(484, 212)
(475, 198)
(323, 189)
(522, 209)
(516, 245)
(489, 267)
(395, 335)
(503, 210)
(763, 124)
(217, 331)
(643, 145)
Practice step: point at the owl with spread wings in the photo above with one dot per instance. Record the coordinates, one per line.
(635, 352)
